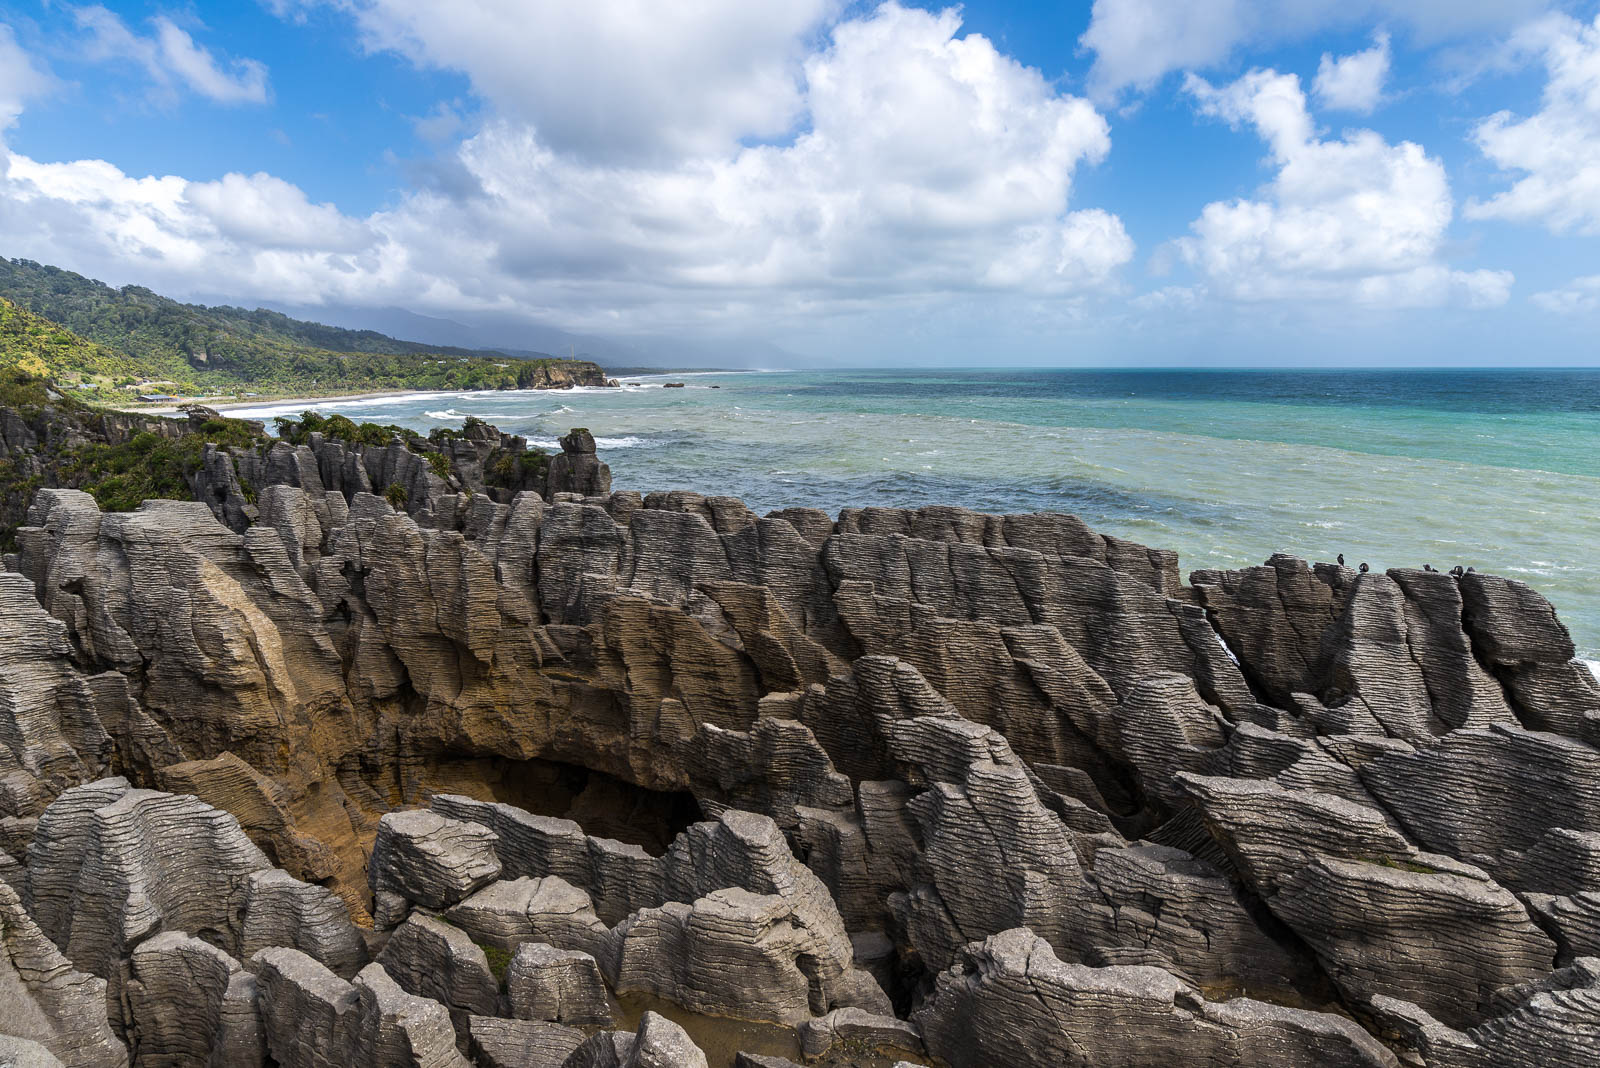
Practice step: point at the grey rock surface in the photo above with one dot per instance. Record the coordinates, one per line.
(110, 865)
(46, 1000)
(500, 1043)
(557, 986)
(430, 861)
(1009, 1000)
(190, 1003)
(433, 959)
(311, 1017)
(657, 1043)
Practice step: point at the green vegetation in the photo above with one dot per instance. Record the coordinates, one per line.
(499, 961)
(21, 390)
(342, 428)
(36, 348)
(512, 470)
(397, 496)
(149, 466)
(120, 342)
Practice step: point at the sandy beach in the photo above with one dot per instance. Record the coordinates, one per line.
(233, 402)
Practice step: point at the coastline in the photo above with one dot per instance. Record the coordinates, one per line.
(264, 400)
(233, 402)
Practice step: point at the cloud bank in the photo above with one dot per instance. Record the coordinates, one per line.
(1557, 149)
(927, 164)
(1353, 219)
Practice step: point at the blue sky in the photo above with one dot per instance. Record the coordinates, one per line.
(1129, 181)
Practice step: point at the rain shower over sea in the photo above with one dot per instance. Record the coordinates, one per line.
(1497, 469)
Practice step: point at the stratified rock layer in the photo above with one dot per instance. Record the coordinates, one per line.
(313, 780)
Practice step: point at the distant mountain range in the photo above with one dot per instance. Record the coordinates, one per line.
(110, 342)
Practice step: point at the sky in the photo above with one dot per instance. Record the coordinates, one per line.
(1008, 183)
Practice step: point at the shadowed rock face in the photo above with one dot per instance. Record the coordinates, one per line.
(982, 789)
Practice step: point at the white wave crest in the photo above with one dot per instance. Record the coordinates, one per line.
(629, 442)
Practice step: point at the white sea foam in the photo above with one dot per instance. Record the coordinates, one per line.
(295, 407)
(1594, 668)
(629, 442)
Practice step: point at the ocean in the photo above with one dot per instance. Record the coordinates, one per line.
(1496, 469)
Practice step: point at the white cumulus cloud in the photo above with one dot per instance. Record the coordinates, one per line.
(172, 58)
(1581, 296)
(623, 80)
(1557, 149)
(1349, 219)
(931, 166)
(1354, 82)
(20, 78)
(1138, 42)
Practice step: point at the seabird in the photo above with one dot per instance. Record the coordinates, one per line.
(1341, 559)
(1427, 567)
(1457, 571)
(1472, 571)
(1363, 567)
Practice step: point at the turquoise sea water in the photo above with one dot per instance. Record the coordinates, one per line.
(1495, 469)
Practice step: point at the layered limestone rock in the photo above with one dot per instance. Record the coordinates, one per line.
(859, 1030)
(190, 1003)
(422, 858)
(1551, 1021)
(577, 469)
(997, 775)
(501, 1043)
(280, 910)
(434, 959)
(657, 1043)
(729, 952)
(1008, 1000)
(111, 865)
(551, 911)
(558, 986)
(53, 736)
(311, 1017)
(619, 878)
(47, 1001)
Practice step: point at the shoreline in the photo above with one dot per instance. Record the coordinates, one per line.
(176, 407)
(278, 399)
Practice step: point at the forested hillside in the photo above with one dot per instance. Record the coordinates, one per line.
(118, 342)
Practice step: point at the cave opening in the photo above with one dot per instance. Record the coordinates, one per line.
(604, 805)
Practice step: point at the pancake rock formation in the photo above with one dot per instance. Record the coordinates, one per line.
(518, 770)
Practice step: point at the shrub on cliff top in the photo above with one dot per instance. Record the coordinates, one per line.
(341, 428)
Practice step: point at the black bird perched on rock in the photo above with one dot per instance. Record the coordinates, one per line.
(1341, 559)
(1364, 567)
(1427, 567)
(1472, 571)
(1457, 571)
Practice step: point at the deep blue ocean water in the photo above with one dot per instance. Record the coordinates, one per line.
(1499, 469)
